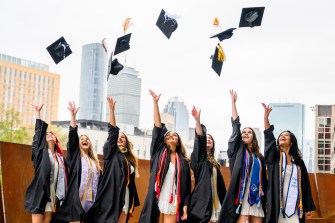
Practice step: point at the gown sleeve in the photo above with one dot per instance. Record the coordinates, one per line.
(37, 148)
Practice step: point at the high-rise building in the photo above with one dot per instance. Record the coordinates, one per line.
(92, 82)
(289, 116)
(308, 156)
(125, 88)
(324, 152)
(23, 83)
(178, 110)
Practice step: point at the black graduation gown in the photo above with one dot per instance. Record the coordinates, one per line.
(150, 211)
(235, 155)
(38, 192)
(272, 156)
(112, 188)
(71, 209)
(201, 204)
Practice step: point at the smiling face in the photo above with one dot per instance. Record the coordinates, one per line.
(210, 143)
(284, 140)
(247, 136)
(122, 140)
(171, 140)
(50, 137)
(84, 143)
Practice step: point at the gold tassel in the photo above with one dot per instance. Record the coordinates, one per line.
(221, 55)
(126, 25)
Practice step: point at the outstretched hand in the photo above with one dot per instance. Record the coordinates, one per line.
(111, 103)
(196, 113)
(37, 107)
(267, 109)
(154, 95)
(72, 108)
(233, 96)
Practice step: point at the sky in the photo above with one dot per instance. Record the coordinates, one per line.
(289, 58)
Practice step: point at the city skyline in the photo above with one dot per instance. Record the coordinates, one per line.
(287, 59)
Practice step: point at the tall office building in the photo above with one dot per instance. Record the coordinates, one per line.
(23, 83)
(178, 110)
(125, 88)
(92, 82)
(324, 152)
(289, 116)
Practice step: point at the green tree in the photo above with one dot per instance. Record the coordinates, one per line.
(10, 128)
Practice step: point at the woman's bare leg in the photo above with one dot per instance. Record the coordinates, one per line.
(169, 218)
(122, 218)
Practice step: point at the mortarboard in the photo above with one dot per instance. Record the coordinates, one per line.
(217, 59)
(59, 50)
(251, 17)
(225, 34)
(114, 67)
(166, 23)
(122, 44)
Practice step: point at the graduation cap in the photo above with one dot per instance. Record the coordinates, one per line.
(251, 17)
(217, 59)
(114, 67)
(59, 50)
(225, 34)
(166, 23)
(122, 44)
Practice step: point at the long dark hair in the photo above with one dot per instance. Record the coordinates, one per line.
(294, 149)
(180, 149)
(254, 144)
(129, 154)
(210, 155)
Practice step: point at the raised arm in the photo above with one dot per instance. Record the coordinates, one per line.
(196, 116)
(267, 111)
(111, 146)
(270, 151)
(73, 143)
(40, 130)
(157, 116)
(235, 138)
(199, 150)
(233, 96)
(111, 111)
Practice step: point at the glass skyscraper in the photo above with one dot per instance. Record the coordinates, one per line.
(289, 116)
(125, 88)
(92, 82)
(178, 110)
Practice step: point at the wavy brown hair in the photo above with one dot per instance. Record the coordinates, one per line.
(129, 154)
(211, 156)
(91, 154)
(254, 148)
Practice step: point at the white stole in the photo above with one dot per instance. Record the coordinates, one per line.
(290, 204)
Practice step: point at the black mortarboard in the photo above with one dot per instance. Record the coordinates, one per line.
(225, 34)
(166, 24)
(251, 17)
(114, 67)
(59, 50)
(216, 62)
(122, 44)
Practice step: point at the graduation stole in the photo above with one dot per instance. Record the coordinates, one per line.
(253, 172)
(88, 188)
(215, 189)
(176, 179)
(128, 172)
(293, 200)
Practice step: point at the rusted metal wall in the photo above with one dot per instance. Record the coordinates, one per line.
(17, 172)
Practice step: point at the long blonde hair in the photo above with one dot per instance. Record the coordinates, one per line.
(91, 154)
(129, 154)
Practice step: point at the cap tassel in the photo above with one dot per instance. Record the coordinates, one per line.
(221, 55)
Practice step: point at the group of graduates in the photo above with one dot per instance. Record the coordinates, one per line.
(273, 188)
